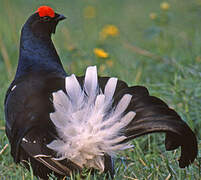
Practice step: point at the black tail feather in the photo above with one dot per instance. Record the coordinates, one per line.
(153, 115)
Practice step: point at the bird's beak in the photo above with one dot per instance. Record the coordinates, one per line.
(60, 17)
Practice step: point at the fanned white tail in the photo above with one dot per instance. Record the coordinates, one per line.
(87, 124)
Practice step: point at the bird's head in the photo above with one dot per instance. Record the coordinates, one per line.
(44, 21)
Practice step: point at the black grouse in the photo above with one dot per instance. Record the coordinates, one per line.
(60, 123)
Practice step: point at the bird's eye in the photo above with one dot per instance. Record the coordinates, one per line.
(46, 18)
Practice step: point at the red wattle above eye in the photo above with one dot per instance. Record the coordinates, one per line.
(46, 11)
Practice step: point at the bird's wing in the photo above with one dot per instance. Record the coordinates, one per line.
(28, 127)
(154, 115)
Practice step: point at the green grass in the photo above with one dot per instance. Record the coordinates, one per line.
(172, 71)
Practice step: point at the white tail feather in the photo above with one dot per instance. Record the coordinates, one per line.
(91, 81)
(87, 124)
(61, 101)
(73, 89)
(123, 104)
(110, 88)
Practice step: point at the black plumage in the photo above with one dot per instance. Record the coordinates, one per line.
(28, 105)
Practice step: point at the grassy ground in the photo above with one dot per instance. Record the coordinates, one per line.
(159, 47)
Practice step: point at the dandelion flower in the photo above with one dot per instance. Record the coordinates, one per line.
(109, 30)
(152, 16)
(89, 12)
(199, 2)
(109, 63)
(102, 68)
(100, 53)
(165, 6)
(198, 59)
(71, 47)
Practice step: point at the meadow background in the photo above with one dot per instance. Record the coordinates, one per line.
(152, 43)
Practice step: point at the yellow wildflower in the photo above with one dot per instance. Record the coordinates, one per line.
(152, 16)
(180, 105)
(71, 47)
(89, 12)
(100, 53)
(109, 30)
(199, 2)
(165, 6)
(102, 68)
(198, 59)
(109, 63)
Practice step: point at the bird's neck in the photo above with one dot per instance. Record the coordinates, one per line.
(37, 54)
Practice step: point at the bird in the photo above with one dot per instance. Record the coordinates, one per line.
(60, 123)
